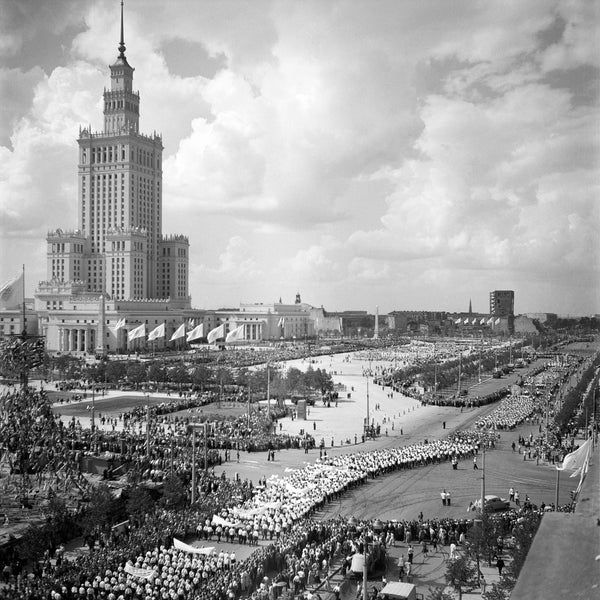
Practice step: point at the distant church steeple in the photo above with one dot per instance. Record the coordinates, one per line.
(470, 307)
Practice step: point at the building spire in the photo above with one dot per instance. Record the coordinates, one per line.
(122, 43)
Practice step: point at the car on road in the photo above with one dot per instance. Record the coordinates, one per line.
(492, 503)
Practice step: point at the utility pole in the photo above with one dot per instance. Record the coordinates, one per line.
(368, 415)
(479, 369)
(205, 447)
(483, 481)
(268, 391)
(193, 465)
(93, 408)
(434, 370)
(459, 372)
(148, 426)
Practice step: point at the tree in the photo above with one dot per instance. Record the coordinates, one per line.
(104, 509)
(156, 372)
(136, 373)
(461, 573)
(115, 371)
(438, 593)
(482, 539)
(173, 493)
(201, 375)
(179, 374)
(139, 503)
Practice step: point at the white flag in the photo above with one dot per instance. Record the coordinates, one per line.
(179, 332)
(497, 321)
(474, 322)
(196, 333)
(281, 322)
(458, 321)
(490, 320)
(482, 321)
(575, 460)
(138, 332)
(235, 335)
(466, 321)
(157, 332)
(216, 333)
(11, 293)
(119, 324)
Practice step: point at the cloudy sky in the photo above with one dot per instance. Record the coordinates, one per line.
(406, 154)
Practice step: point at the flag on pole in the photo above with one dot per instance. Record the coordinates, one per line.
(11, 293)
(236, 334)
(497, 321)
(466, 321)
(190, 323)
(216, 333)
(458, 321)
(474, 322)
(196, 333)
(482, 321)
(179, 333)
(574, 461)
(138, 332)
(490, 320)
(281, 322)
(157, 332)
(119, 324)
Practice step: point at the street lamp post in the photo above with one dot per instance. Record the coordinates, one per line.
(194, 427)
(147, 425)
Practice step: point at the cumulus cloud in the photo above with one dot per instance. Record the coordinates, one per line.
(338, 149)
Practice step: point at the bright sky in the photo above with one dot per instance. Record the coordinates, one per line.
(406, 154)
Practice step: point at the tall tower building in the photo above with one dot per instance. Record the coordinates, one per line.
(502, 303)
(119, 248)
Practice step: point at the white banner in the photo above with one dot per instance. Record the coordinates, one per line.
(179, 545)
(137, 572)
(217, 520)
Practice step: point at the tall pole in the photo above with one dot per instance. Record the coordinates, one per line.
(148, 426)
(93, 408)
(24, 324)
(459, 372)
(248, 402)
(205, 447)
(193, 465)
(172, 452)
(268, 391)
(368, 415)
(365, 570)
(434, 370)
(479, 369)
(220, 388)
(483, 481)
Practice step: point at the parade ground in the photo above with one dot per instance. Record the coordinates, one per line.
(401, 495)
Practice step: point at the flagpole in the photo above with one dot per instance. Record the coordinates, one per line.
(24, 324)
(557, 488)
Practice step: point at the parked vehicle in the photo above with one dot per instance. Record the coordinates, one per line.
(492, 503)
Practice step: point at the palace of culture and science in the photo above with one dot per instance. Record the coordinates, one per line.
(118, 270)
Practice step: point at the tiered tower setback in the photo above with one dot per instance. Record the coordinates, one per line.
(119, 248)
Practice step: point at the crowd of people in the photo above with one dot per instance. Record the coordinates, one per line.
(145, 562)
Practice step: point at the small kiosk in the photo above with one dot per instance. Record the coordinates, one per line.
(398, 590)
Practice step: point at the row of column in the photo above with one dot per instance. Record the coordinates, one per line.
(253, 331)
(77, 339)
